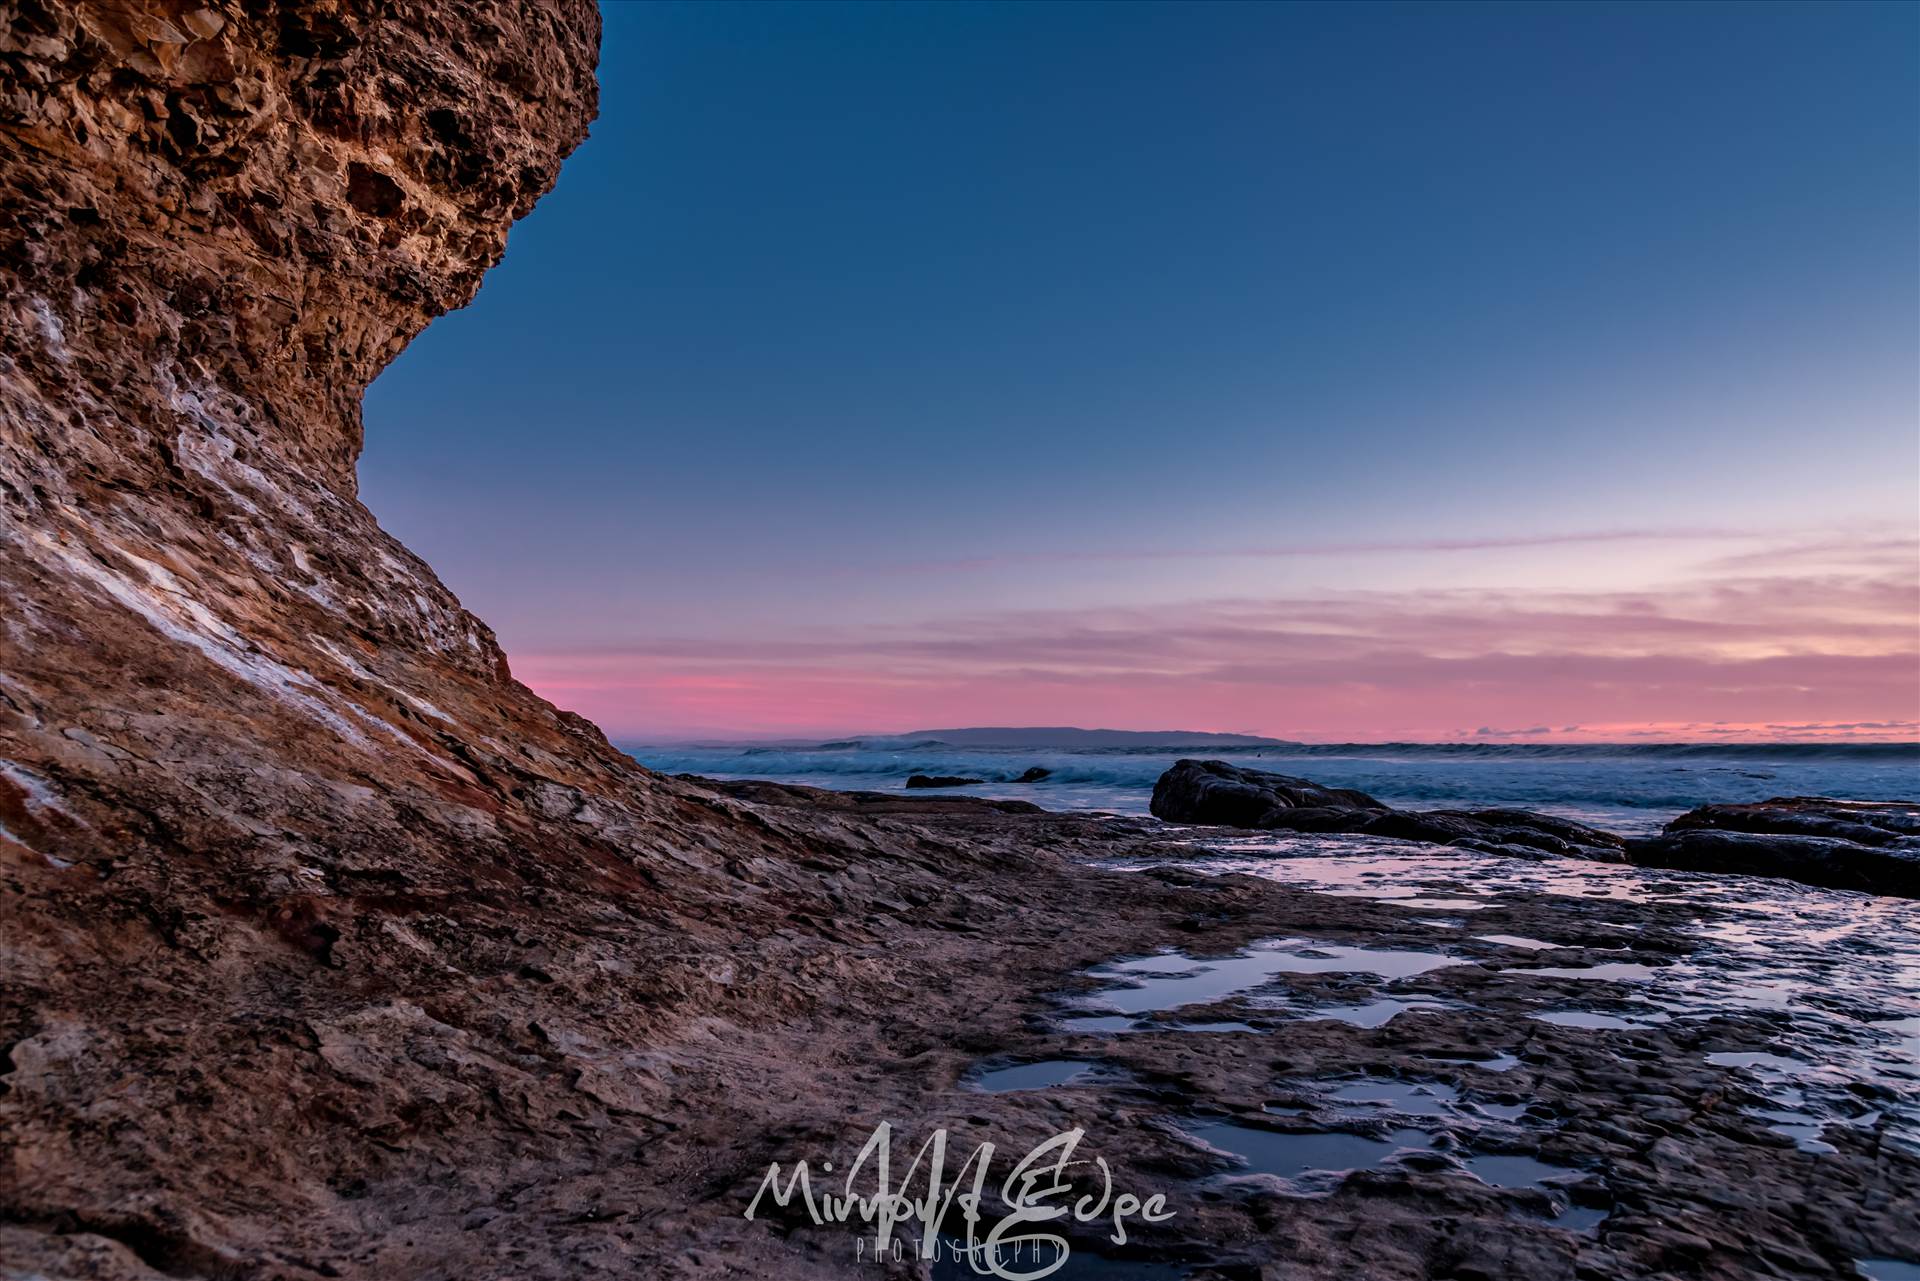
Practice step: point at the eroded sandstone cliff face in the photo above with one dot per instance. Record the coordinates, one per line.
(326, 948)
(218, 224)
(245, 737)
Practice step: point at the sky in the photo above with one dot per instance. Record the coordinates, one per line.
(1347, 372)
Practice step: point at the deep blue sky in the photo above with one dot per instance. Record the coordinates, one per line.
(875, 315)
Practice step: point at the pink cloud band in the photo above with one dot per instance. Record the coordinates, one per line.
(1833, 652)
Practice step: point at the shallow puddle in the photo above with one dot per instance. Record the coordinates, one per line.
(1388, 875)
(1288, 1156)
(1504, 1171)
(1611, 972)
(1033, 1076)
(1100, 1023)
(1369, 1013)
(1803, 1129)
(1887, 1269)
(1496, 1063)
(1517, 940)
(1149, 984)
(1508, 1171)
(1413, 1099)
(1754, 1059)
(1586, 1018)
(1580, 1218)
(1335, 958)
(1171, 980)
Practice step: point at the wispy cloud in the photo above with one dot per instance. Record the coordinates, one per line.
(1769, 549)
(1310, 550)
(1823, 645)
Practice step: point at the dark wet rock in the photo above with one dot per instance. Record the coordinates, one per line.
(1214, 792)
(1501, 831)
(1862, 822)
(1231, 796)
(1034, 774)
(1870, 846)
(941, 780)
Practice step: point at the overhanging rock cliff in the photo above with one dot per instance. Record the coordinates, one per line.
(218, 224)
(299, 889)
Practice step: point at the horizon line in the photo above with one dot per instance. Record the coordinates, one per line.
(1893, 734)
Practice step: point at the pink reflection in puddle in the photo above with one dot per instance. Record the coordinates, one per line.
(1836, 973)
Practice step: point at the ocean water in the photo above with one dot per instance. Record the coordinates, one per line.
(1630, 789)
